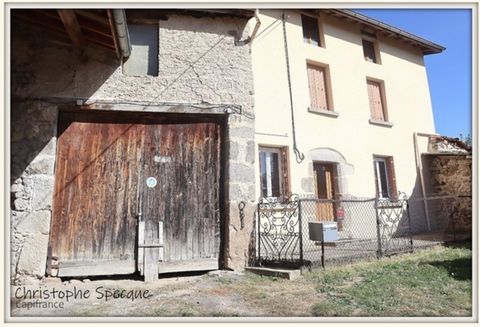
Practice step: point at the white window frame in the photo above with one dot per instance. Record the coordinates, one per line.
(380, 192)
(268, 158)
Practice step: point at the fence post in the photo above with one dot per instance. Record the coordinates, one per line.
(300, 230)
(258, 233)
(379, 237)
(409, 224)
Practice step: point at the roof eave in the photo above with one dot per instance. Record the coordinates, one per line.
(427, 47)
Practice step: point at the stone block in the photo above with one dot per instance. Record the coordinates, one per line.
(16, 188)
(35, 222)
(290, 274)
(242, 133)
(42, 164)
(241, 173)
(33, 258)
(233, 151)
(250, 152)
(42, 195)
(21, 204)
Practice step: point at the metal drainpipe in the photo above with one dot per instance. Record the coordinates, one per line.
(121, 29)
(420, 173)
(254, 32)
(299, 156)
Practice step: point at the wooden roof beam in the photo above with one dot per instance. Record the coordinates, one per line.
(72, 27)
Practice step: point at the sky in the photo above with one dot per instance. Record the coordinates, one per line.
(449, 73)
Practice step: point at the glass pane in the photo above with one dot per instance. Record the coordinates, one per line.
(263, 173)
(270, 174)
(383, 179)
(369, 51)
(310, 30)
(275, 175)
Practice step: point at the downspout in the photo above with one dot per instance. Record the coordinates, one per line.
(299, 156)
(254, 32)
(418, 161)
(121, 32)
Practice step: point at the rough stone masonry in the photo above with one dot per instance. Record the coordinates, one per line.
(198, 63)
(451, 174)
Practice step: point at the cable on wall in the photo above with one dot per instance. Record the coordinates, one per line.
(299, 156)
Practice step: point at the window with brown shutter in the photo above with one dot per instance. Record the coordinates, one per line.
(318, 87)
(311, 32)
(376, 101)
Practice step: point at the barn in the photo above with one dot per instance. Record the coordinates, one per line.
(131, 141)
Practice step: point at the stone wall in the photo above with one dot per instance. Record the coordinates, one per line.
(452, 175)
(198, 63)
(33, 145)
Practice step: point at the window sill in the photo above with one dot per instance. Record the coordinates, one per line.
(373, 62)
(328, 113)
(380, 123)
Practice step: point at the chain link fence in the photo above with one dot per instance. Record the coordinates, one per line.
(440, 218)
(357, 230)
(367, 227)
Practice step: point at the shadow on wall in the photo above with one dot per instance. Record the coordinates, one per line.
(45, 68)
(449, 215)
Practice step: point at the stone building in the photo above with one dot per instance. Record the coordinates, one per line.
(78, 78)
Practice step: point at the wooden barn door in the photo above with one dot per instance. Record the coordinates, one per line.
(325, 187)
(184, 159)
(111, 167)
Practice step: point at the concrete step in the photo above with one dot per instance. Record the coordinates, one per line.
(285, 273)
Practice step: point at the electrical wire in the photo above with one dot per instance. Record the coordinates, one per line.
(299, 156)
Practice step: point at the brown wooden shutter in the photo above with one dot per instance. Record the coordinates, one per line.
(318, 87)
(377, 191)
(392, 182)
(285, 176)
(375, 99)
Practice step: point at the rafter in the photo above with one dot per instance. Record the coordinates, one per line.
(72, 27)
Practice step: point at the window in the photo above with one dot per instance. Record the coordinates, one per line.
(311, 32)
(376, 100)
(369, 51)
(273, 172)
(143, 58)
(385, 182)
(318, 87)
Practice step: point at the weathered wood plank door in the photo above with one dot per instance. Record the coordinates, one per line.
(103, 163)
(184, 159)
(325, 188)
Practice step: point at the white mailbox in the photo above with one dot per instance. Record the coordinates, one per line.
(326, 231)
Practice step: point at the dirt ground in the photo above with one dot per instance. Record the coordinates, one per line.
(218, 293)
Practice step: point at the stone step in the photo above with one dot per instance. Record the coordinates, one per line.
(285, 273)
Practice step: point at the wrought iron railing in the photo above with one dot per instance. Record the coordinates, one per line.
(279, 231)
(367, 227)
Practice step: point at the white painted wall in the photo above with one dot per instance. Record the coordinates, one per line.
(407, 99)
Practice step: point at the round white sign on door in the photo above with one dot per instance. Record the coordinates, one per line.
(151, 182)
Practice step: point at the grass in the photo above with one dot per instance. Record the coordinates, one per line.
(435, 282)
